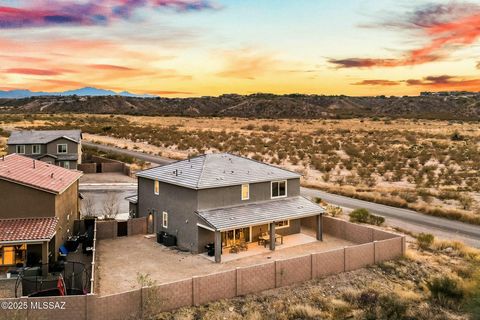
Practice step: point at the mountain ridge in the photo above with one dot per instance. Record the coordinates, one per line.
(85, 91)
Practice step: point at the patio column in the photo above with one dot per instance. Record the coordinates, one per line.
(319, 227)
(272, 236)
(45, 258)
(218, 246)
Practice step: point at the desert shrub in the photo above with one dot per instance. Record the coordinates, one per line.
(445, 290)
(376, 220)
(360, 215)
(425, 240)
(410, 197)
(456, 136)
(334, 211)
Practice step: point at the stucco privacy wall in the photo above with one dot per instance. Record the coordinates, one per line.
(240, 281)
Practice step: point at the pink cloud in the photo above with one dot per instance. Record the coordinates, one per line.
(444, 28)
(42, 13)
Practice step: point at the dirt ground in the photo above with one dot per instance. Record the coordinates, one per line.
(107, 177)
(120, 260)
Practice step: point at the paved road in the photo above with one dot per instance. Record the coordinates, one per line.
(456, 229)
(139, 155)
(407, 219)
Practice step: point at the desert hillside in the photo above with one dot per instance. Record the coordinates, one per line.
(298, 106)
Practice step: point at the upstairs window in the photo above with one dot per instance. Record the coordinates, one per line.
(20, 149)
(61, 148)
(36, 149)
(156, 187)
(279, 189)
(245, 191)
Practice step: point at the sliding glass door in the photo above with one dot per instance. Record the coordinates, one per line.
(236, 236)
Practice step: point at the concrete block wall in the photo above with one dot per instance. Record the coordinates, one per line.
(106, 229)
(328, 263)
(214, 287)
(293, 270)
(174, 295)
(137, 226)
(145, 302)
(125, 305)
(359, 256)
(87, 167)
(388, 249)
(256, 278)
(358, 233)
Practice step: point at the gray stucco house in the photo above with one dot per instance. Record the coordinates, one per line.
(218, 198)
(60, 147)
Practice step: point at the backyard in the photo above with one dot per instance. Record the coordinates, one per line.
(120, 261)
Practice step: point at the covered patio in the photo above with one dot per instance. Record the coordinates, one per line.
(26, 241)
(256, 226)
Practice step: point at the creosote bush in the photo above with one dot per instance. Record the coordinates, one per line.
(425, 240)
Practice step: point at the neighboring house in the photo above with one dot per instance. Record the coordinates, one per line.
(39, 203)
(220, 198)
(60, 147)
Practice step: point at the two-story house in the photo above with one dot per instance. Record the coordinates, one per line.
(60, 147)
(218, 198)
(39, 203)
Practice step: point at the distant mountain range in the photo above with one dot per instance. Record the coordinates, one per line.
(299, 106)
(87, 91)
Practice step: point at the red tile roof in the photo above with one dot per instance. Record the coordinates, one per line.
(21, 229)
(37, 174)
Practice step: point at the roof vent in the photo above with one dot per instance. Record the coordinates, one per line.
(33, 163)
(51, 175)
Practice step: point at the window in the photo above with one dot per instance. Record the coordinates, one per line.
(61, 148)
(281, 224)
(156, 187)
(279, 189)
(64, 164)
(165, 219)
(245, 191)
(20, 149)
(36, 149)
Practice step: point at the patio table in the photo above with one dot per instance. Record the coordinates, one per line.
(265, 239)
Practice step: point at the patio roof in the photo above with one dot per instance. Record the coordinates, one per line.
(27, 229)
(234, 217)
(132, 199)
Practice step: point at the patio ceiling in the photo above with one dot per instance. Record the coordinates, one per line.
(234, 217)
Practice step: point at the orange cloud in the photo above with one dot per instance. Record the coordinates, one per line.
(445, 27)
(247, 64)
(37, 72)
(376, 82)
(446, 82)
(109, 67)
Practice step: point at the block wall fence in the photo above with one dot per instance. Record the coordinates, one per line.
(374, 246)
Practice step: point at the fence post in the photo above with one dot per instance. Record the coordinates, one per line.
(375, 251)
(344, 259)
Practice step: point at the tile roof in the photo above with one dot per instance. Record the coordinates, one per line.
(20, 229)
(259, 213)
(36, 174)
(216, 170)
(43, 136)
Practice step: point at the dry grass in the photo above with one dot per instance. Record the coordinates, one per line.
(429, 166)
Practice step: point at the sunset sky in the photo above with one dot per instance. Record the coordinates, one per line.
(211, 47)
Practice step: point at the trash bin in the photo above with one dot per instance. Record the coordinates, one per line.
(161, 236)
(169, 240)
(210, 249)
